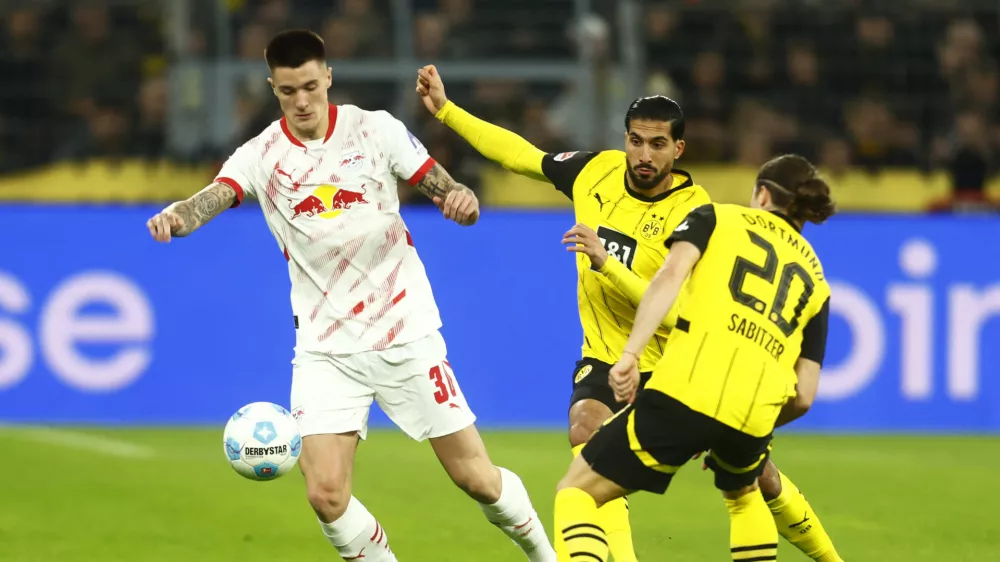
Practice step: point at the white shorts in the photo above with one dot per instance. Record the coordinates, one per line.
(413, 384)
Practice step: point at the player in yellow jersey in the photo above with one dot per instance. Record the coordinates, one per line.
(744, 358)
(626, 204)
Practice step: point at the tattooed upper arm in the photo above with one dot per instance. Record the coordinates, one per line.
(203, 206)
(438, 183)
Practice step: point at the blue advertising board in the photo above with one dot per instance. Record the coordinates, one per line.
(100, 324)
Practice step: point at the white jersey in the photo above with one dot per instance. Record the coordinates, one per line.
(357, 282)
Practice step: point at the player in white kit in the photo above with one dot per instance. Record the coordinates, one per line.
(365, 318)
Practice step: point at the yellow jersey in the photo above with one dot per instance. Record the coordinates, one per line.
(755, 302)
(632, 228)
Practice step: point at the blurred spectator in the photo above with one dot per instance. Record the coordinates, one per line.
(102, 133)
(253, 41)
(707, 108)
(666, 42)
(370, 31)
(877, 138)
(151, 122)
(981, 90)
(971, 159)
(878, 61)
(431, 36)
(806, 97)
(753, 47)
(342, 39)
(835, 156)
(25, 113)
(275, 15)
(463, 36)
(753, 149)
(93, 60)
(872, 83)
(962, 47)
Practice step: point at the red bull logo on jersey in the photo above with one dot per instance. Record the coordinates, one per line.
(327, 201)
(310, 207)
(344, 198)
(352, 160)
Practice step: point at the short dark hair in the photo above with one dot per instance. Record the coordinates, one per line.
(293, 48)
(657, 108)
(796, 187)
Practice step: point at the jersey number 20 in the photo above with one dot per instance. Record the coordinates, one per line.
(767, 272)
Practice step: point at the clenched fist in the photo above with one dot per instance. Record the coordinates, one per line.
(431, 89)
(164, 225)
(624, 377)
(460, 205)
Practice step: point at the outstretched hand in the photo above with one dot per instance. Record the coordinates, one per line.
(585, 240)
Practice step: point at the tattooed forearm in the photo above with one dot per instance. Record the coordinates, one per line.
(438, 183)
(202, 207)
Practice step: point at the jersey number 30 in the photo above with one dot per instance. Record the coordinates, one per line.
(767, 272)
(444, 383)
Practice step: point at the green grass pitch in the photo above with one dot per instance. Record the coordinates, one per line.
(173, 497)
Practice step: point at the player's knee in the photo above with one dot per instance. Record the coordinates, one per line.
(480, 482)
(328, 496)
(770, 482)
(580, 433)
(585, 419)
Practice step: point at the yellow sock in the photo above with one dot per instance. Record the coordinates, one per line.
(752, 534)
(578, 534)
(798, 523)
(613, 517)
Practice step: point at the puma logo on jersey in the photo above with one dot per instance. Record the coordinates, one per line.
(598, 197)
(804, 519)
(682, 227)
(295, 185)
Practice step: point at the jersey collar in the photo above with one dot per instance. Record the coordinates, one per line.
(787, 219)
(688, 182)
(329, 128)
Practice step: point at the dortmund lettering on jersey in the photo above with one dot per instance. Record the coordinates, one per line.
(632, 228)
(756, 302)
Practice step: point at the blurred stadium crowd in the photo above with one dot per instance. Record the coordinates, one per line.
(901, 83)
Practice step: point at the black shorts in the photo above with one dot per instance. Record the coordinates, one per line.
(590, 381)
(646, 444)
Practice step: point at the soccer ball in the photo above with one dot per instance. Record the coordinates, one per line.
(262, 441)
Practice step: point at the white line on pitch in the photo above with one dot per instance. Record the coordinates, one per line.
(83, 441)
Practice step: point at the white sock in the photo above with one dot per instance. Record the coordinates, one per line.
(357, 535)
(515, 516)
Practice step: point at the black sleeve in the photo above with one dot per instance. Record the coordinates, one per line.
(814, 335)
(696, 228)
(563, 168)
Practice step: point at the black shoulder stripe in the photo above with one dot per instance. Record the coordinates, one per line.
(697, 228)
(562, 169)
